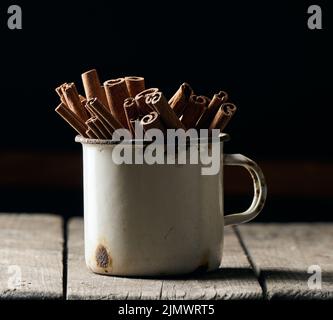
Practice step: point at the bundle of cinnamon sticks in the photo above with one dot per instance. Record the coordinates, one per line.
(125, 103)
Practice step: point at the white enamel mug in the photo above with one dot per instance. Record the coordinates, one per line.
(160, 219)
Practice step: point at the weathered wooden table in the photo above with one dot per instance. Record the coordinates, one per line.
(41, 257)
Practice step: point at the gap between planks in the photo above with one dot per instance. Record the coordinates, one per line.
(285, 256)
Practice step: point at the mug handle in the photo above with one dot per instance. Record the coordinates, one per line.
(259, 185)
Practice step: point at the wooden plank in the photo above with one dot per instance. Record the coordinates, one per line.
(311, 178)
(235, 279)
(283, 253)
(31, 263)
(83, 284)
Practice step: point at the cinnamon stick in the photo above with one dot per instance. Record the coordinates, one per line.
(103, 122)
(135, 123)
(131, 112)
(209, 114)
(59, 91)
(116, 93)
(99, 109)
(95, 129)
(70, 117)
(90, 110)
(152, 120)
(223, 116)
(91, 134)
(180, 99)
(148, 101)
(106, 126)
(73, 101)
(83, 101)
(140, 100)
(135, 85)
(92, 86)
(103, 127)
(195, 108)
(168, 116)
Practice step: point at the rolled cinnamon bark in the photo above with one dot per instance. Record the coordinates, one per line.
(90, 110)
(105, 103)
(180, 99)
(152, 120)
(59, 91)
(105, 124)
(148, 101)
(134, 123)
(83, 101)
(95, 129)
(92, 86)
(195, 108)
(103, 127)
(209, 114)
(131, 112)
(135, 85)
(131, 108)
(73, 101)
(223, 116)
(99, 109)
(90, 134)
(140, 100)
(74, 121)
(168, 116)
(208, 100)
(116, 93)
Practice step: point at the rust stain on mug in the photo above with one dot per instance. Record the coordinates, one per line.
(103, 258)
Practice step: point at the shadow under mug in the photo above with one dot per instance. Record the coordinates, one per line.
(159, 219)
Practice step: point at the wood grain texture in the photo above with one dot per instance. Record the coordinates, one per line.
(235, 279)
(31, 259)
(282, 254)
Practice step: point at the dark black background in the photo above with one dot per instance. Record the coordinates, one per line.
(275, 69)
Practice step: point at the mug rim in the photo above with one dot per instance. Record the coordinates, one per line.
(221, 138)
